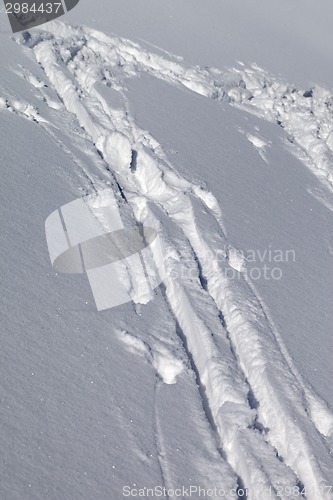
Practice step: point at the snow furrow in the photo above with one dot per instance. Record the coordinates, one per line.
(306, 115)
(279, 441)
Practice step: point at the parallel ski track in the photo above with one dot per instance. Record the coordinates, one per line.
(270, 426)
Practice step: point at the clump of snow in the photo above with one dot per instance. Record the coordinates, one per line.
(236, 259)
(167, 366)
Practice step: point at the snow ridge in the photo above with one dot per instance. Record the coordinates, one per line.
(270, 427)
(306, 115)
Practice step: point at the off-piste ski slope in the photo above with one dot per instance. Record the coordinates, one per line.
(263, 427)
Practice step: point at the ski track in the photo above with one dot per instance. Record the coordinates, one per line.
(271, 428)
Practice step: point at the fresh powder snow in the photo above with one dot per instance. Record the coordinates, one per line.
(202, 366)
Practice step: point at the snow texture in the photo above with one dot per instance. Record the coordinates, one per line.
(202, 368)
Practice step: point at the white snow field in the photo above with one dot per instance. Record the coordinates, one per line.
(211, 122)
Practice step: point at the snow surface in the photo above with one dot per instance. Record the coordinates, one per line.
(224, 379)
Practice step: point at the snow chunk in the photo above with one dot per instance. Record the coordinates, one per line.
(236, 259)
(167, 366)
(117, 150)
